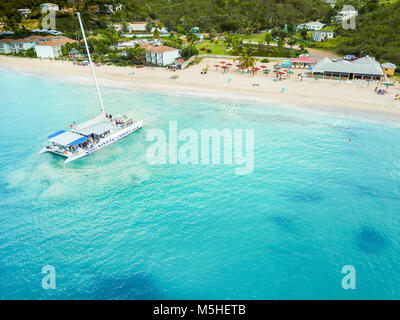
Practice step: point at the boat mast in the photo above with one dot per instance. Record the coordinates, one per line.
(91, 64)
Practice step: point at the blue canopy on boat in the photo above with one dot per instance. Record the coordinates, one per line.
(55, 134)
(78, 141)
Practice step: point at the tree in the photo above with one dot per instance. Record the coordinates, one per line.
(268, 38)
(191, 37)
(247, 59)
(281, 43)
(292, 42)
(156, 33)
(136, 55)
(189, 51)
(149, 26)
(303, 33)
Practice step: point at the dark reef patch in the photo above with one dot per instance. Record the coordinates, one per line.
(370, 241)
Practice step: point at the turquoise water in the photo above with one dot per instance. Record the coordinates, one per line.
(115, 227)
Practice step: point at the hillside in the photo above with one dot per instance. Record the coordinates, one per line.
(219, 15)
(377, 32)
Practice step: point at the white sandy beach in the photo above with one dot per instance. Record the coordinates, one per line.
(324, 95)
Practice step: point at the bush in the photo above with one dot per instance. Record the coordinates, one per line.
(209, 50)
(189, 51)
(265, 60)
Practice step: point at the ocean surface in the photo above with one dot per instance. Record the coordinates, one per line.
(324, 193)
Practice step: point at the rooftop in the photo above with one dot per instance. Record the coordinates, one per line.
(389, 65)
(158, 49)
(365, 65)
(56, 43)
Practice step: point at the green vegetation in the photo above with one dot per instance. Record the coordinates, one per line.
(377, 32)
(240, 21)
(217, 47)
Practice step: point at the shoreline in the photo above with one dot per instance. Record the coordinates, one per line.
(338, 99)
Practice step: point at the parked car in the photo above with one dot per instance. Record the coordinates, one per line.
(350, 57)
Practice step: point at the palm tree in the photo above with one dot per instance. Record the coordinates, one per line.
(191, 37)
(268, 39)
(156, 33)
(247, 59)
(292, 42)
(149, 26)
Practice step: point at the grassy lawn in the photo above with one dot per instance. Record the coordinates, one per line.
(30, 23)
(254, 37)
(217, 48)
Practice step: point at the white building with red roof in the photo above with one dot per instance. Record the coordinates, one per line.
(51, 49)
(161, 55)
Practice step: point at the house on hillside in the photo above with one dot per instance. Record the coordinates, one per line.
(24, 12)
(161, 55)
(138, 26)
(332, 3)
(109, 8)
(49, 7)
(346, 14)
(313, 25)
(389, 68)
(162, 31)
(321, 35)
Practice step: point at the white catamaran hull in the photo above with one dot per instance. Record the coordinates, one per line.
(107, 141)
(94, 134)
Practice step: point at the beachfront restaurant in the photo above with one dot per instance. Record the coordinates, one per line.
(302, 62)
(360, 69)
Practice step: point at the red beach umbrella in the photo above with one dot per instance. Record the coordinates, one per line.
(263, 67)
(216, 66)
(224, 67)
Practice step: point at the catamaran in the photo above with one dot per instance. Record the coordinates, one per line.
(92, 135)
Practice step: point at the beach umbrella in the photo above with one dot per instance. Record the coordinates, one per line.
(229, 64)
(388, 84)
(216, 66)
(255, 70)
(263, 67)
(222, 62)
(280, 73)
(309, 68)
(224, 67)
